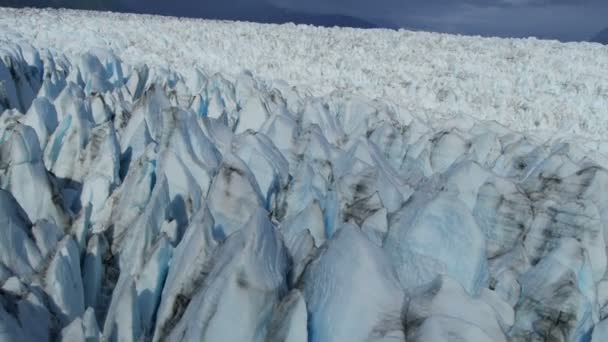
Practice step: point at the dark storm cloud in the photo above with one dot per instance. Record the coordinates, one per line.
(564, 22)
(555, 19)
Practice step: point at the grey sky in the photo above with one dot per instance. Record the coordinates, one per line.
(552, 19)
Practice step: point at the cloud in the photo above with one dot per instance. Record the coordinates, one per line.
(552, 19)
(558, 19)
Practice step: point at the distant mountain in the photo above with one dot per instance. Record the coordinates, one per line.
(248, 10)
(100, 5)
(244, 10)
(325, 20)
(601, 37)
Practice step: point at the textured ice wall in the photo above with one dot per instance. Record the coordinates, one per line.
(524, 84)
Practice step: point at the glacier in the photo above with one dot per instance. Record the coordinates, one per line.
(150, 201)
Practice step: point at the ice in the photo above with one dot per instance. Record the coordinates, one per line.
(35, 318)
(130, 199)
(136, 247)
(66, 145)
(502, 212)
(10, 328)
(137, 81)
(143, 123)
(352, 279)
(436, 234)
(300, 194)
(446, 329)
(234, 196)
(123, 320)
(70, 100)
(189, 160)
(21, 80)
(504, 312)
(282, 130)
(437, 75)
(558, 291)
(23, 315)
(8, 91)
(191, 258)
(600, 332)
(247, 280)
(176, 198)
(54, 77)
(18, 253)
(102, 157)
(446, 150)
(376, 227)
(309, 219)
(434, 313)
(302, 250)
(317, 113)
(265, 161)
(252, 114)
(93, 74)
(99, 110)
(82, 329)
(288, 322)
(94, 269)
(25, 176)
(390, 189)
(14, 286)
(47, 235)
(214, 106)
(63, 281)
(42, 117)
(151, 280)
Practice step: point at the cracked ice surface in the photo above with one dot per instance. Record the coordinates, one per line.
(159, 204)
(542, 86)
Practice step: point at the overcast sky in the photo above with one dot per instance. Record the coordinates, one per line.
(554, 19)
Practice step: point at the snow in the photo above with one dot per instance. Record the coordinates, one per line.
(157, 190)
(524, 84)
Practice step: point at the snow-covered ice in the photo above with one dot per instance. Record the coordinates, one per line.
(525, 84)
(166, 179)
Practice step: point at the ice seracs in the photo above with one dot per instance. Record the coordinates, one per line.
(353, 280)
(247, 280)
(19, 254)
(436, 234)
(190, 262)
(434, 314)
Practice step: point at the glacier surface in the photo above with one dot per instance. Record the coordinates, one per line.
(140, 202)
(525, 84)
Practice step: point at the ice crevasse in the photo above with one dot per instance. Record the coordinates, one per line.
(142, 204)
